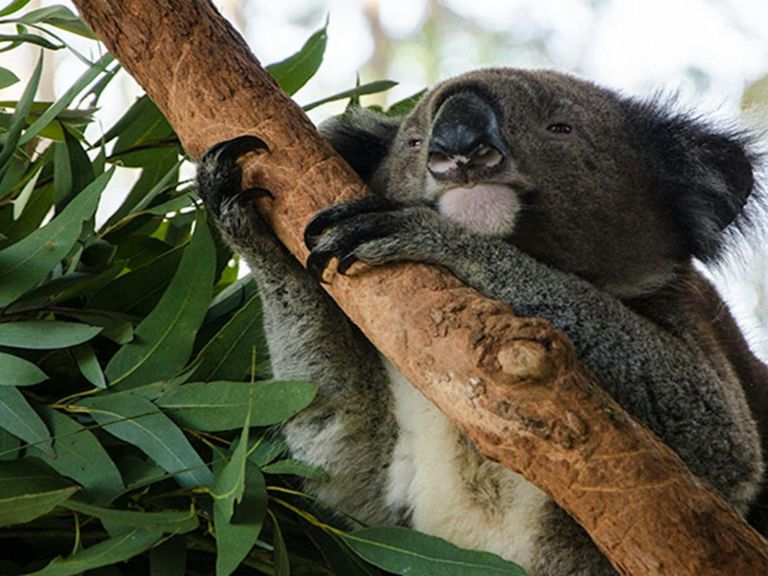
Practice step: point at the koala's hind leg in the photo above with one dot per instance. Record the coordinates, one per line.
(349, 430)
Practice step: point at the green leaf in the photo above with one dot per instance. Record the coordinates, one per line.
(113, 326)
(18, 418)
(412, 553)
(29, 489)
(72, 169)
(16, 39)
(77, 454)
(404, 106)
(19, 118)
(228, 355)
(50, 114)
(139, 291)
(116, 549)
(47, 14)
(10, 446)
(356, 92)
(89, 365)
(7, 78)
(20, 202)
(233, 542)
(266, 449)
(235, 539)
(165, 522)
(15, 371)
(169, 558)
(281, 560)
(214, 406)
(45, 334)
(27, 262)
(164, 339)
(293, 72)
(139, 422)
(296, 468)
(14, 6)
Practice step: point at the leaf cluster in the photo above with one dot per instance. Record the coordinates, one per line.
(139, 426)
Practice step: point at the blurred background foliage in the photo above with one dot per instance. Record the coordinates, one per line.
(136, 411)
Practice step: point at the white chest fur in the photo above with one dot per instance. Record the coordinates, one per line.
(451, 491)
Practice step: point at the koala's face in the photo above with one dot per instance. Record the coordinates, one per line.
(592, 183)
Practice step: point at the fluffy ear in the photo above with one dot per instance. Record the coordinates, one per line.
(702, 175)
(362, 137)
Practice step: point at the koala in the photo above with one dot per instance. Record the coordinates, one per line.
(565, 200)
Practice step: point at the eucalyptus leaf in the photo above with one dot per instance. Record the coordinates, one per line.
(356, 92)
(164, 339)
(214, 406)
(229, 354)
(78, 454)
(176, 522)
(19, 118)
(293, 72)
(29, 489)
(45, 334)
(296, 468)
(236, 538)
(111, 551)
(15, 371)
(13, 6)
(139, 422)
(20, 419)
(7, 78)
(407, 552)
(89, 365)
(69, 95)
(27, 262)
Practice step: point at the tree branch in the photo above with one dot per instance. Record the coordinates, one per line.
(564, 433)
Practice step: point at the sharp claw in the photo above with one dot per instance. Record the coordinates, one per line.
(345, 263)
(315, 229)
(332, 215)
(258, 193)
(236, 147)
(316, 263)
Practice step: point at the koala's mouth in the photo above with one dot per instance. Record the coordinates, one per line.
(483, 208)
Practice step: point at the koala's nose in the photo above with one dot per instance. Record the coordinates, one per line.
(465, 138)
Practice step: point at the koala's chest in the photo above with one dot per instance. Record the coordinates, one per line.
(450, 490)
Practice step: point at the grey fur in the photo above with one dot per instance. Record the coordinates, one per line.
(593, 229)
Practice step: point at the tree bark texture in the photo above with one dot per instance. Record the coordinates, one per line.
(469, 355)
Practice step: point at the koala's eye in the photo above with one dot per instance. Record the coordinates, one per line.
(560, 128)
(415, 142)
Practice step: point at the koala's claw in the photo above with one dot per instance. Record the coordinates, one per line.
(231, 150)
(344, 238)
(332, 215)
(219, 174)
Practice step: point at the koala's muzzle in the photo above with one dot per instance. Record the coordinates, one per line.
(466, 141)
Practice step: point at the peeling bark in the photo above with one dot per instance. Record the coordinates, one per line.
(514, 386)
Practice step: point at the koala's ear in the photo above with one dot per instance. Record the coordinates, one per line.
(362, 137)
(702, 174)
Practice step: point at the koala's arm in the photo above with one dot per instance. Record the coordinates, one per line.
(662, 381)
(348, 429)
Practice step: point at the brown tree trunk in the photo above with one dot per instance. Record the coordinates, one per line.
(661, 520)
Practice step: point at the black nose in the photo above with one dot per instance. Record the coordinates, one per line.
(465, 136)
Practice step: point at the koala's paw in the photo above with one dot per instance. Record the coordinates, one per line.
(374, 231)
(219, 185)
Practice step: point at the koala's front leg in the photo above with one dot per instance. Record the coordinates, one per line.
(376, 231)
(349, 429)
(666, 383)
